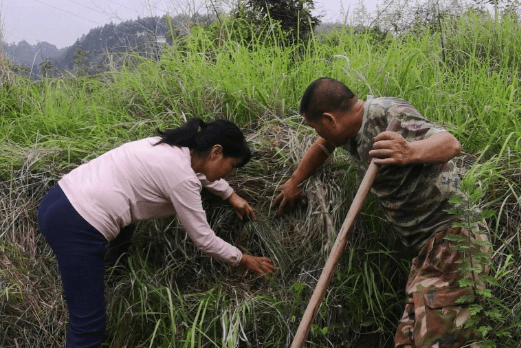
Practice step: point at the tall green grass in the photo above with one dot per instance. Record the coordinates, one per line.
(168, 294)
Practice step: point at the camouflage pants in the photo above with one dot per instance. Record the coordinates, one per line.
(432, 319)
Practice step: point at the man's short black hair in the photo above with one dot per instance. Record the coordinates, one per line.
(325, 95)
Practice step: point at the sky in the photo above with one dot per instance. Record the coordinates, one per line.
(62, 22)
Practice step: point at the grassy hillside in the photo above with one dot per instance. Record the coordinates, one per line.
(168, 294)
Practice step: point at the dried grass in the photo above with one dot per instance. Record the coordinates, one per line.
(32, 312)
(162, 257)
(6, 75)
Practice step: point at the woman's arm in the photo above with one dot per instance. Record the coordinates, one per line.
(188, 206)
(187, 203)
(219, 188)
(222, 189)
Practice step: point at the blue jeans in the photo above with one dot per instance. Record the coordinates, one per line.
(80, 250)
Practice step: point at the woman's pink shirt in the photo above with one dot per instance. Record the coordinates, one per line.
(138, 181)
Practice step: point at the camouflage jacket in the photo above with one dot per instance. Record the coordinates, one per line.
(414, 197)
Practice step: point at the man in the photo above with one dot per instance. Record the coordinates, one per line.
(415, 179)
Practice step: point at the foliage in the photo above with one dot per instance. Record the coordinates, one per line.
(490, 316)
(46, 68)
(294, 17)
(20, 70)
(79, 59)
(6, 75)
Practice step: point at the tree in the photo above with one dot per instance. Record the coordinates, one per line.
(294, 16)
(399, 16)
(21, 70)
(79, 58)
(508, 6)
(46, 68)
(361, 17)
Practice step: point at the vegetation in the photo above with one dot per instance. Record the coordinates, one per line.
(293, 17)
(168, 294)
(6, 74)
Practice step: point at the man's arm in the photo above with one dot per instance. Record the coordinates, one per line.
(314, 157)
(392, 148)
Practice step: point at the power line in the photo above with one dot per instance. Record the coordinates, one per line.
(13, 35)
(149, 5)
(103, 12)
(90, 8)
(128, 8)
(59, 9)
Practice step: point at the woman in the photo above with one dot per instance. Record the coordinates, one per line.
(141, 180)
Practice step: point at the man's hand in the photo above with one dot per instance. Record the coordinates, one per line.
(258, 264)
(289, 192)
(242, 208)
(314, 157)
(391, 148)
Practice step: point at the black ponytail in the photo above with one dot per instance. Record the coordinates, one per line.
(220, 132)
(183, 136)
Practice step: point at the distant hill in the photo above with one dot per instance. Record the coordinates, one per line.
(141, 36)
(32, 56)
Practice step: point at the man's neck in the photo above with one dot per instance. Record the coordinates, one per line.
(357, 114)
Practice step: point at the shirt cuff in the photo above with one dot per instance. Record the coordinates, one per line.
(236, 263)
(226, 194)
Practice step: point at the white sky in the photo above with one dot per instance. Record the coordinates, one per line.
(61, 22)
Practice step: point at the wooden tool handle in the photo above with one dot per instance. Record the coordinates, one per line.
(336, 252)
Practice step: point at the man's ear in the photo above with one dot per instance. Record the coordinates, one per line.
(329, 120)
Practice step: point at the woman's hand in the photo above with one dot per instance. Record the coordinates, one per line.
(258, 264)
(242, 208)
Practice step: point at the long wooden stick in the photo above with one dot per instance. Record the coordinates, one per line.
(336, 252)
